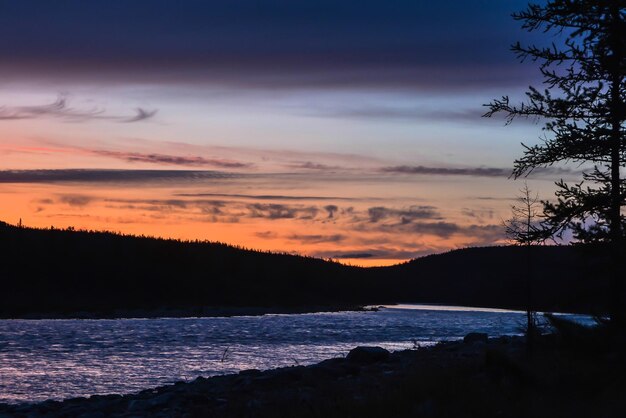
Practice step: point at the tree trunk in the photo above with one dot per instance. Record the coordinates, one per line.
(616, 198)
(530, 314)
(616, 229)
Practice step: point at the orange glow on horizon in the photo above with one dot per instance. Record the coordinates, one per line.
(319, 228)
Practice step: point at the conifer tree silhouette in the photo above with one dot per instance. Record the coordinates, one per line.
(583, 104)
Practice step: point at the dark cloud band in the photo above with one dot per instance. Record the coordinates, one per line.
(471, 171)
(276, 43)
(96, 176)
(443, 171)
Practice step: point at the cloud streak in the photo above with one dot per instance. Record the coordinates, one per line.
(61, 110)
(101, 176)
(379, 213)
(269, 197)
(471, 171)
(479, 234)
(369, 112)
(279, 211)
(446, 171)
(310, 165)
(155, 158)
(316, 238)
(76, 200)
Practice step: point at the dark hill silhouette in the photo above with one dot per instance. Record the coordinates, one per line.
(565, 278)
(64, 271)
(52, 272)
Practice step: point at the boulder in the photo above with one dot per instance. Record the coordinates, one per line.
(365, 354)
(250, 372)
(476, 337)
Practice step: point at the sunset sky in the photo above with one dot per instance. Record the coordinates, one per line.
(343, 129)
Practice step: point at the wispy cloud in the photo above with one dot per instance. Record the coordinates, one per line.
(379, 213)
(479, 214)
(310, 165)
(472, 171)
(61, 110)
(440, 229)
(266, 234)
(154, 158)
(340, 255)
(316, 238)
(274, 161)
(279, 211)
(448, 171)
(375, 112)
(79, 200)
(227, 211)
(268, 197)
(142, 114)
(331, 210)
(479, 234)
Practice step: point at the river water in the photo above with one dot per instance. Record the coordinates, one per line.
(58, 359)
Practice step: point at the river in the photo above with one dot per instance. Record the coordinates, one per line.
(59, 359)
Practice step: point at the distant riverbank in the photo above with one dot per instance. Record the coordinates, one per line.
(200, 312)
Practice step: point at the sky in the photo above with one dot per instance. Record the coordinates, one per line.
(348, 130)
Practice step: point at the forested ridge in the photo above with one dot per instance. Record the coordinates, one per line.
(52, 272)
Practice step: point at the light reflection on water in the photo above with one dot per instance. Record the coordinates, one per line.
(42, 359)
